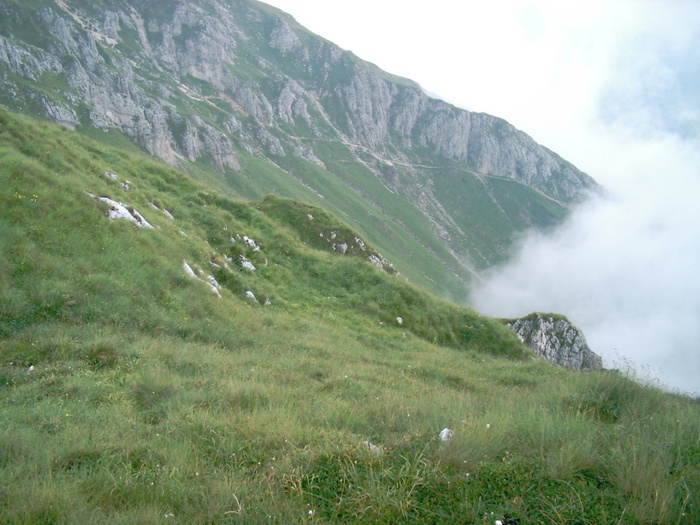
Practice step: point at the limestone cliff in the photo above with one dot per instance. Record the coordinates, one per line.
(232, 83)
(125, 63)
(554, 338)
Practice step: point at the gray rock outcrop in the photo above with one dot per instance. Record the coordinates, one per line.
(555, 339)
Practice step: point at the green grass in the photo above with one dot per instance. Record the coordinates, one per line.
(388, 218)
(130, 393)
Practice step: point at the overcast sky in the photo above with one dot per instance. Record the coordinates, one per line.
(612, 86)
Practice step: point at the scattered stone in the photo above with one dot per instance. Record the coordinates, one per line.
(163, 211)
(250, 295)
(377, 261)
(245, 263)
(446, 434)
(213, 282)
(341, 247)
(251, 243)
(210, 281)
(374, 449)
(119, 210)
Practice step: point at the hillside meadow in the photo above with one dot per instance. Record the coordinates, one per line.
(148, 374)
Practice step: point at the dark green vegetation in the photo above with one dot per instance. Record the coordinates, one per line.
(131, 393)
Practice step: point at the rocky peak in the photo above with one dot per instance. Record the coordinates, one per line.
(555, 339)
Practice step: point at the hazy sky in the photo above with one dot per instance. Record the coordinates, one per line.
(612, 86)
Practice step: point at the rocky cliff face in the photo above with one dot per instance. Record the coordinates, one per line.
(554, 338)
(130, 61)
(223, 81)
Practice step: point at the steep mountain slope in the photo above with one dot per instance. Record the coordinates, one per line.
(64, 261)
(171, 355)
(240, 95)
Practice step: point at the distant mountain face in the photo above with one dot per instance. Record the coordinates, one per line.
(238, 94)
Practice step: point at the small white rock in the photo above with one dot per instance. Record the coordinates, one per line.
(374, 449)
(446, 434)
(251, 243)
(212, 281)
(119, 210)
(245, 263)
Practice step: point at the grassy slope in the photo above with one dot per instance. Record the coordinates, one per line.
(130, 393)
(344, 186)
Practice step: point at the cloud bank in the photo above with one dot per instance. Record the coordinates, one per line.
(625, 267)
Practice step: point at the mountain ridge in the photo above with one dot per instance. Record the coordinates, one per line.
(219, 87)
